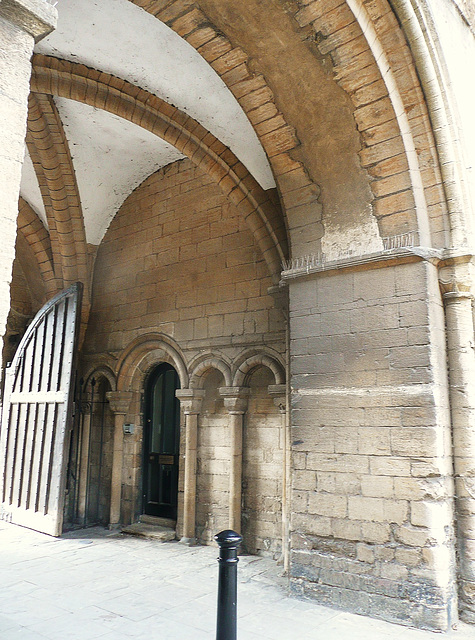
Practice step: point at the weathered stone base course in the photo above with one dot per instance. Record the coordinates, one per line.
(345, 583)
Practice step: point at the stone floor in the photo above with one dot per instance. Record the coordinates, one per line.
(97, 584)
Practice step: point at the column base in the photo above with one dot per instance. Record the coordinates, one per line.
(190, 542)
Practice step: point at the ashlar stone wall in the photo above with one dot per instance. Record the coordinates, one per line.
(371, 486)
(178, 260)
(213, 463)
(262, 470)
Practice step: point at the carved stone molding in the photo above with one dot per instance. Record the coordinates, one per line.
(235, 399)
(456, 280)
(119, 401)
(191, 400)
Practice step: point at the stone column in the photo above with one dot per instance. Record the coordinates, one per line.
(22, 23)
(461, 359)
(235, 401)
(279, 393)
(119, 402)
(190, 400)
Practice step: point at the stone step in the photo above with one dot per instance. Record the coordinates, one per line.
(155, 532)
(155, 520)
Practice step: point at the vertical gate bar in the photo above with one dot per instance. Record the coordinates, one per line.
(37, 356)
(34, 433)
(5, 439)
(23, 377)
(39, 447)
(63, 338)
(39, 481)
(15, 455)
(56, 360)
(17, 376)
(8, 446)
(4, 433)
(83, 461)
(31, 365)
(89, 449)
(77, 431)
(53, 344)
(22, 460)
(101, 444)
(54, 428)
(42, 356)
(49, 343)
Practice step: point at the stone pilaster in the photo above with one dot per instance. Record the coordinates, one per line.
(235, 401)
(190, 400)
(119, 402)
(22, 22)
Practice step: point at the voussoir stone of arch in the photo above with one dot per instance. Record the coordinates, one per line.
(35, 234)
(206, 365)
(155, 346)
(258, 360)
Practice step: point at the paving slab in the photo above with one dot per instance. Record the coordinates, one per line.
(99, 584)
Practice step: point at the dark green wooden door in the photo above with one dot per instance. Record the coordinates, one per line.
(161, 443)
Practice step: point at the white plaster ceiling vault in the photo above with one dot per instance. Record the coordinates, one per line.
(112, 156)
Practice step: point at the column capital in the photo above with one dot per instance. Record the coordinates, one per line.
(235, 398)
(190, 400)
(36, 17)
(119, 401)
(453, 296)
(279, 393)
(456, 280)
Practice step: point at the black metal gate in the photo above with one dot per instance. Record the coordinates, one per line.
(90, 456)
(35, 427)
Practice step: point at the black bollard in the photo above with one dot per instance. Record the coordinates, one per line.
(228, 542)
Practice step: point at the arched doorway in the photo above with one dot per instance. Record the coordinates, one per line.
(88, 492)
(99, 454)
(161, 443)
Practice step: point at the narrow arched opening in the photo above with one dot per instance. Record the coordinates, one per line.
(161, 443)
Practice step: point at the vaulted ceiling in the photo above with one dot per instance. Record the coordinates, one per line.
(110, 155)
(315, 97)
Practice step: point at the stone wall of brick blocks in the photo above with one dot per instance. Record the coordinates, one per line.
(213, 463)
(179, 260)
(262, 467)
(262, 470)
(371, 489)
(132, 466)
